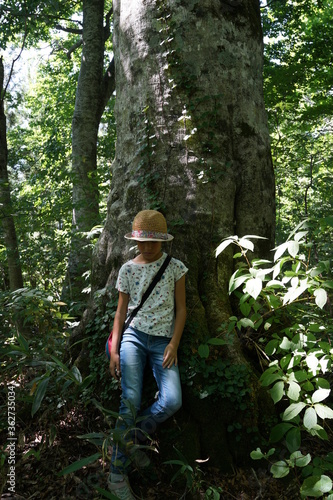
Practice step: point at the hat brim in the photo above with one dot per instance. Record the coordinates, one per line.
(129, 236)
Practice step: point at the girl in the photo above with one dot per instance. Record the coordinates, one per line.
(153, 334)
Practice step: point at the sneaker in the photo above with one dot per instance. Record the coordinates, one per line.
(119, 487)
(139, 458)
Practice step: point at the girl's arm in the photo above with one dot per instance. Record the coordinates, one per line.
(118, 324)
(170, 353)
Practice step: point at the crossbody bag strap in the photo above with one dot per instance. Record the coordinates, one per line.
(151, 287)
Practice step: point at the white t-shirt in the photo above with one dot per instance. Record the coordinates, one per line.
(156, 316)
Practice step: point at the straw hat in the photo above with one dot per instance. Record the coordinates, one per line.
(149, 225)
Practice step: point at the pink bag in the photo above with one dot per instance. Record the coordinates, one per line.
(108, 346)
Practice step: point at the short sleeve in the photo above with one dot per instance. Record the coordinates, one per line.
(179, 269)
(122, 284)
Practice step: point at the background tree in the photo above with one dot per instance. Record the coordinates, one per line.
(192, 141)
(7, 216)
(92, 94)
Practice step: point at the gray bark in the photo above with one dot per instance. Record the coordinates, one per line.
(192, 141)
(85, 124)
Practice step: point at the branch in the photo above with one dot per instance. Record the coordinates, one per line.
(14, 61)
(74, 47)
(75, 31)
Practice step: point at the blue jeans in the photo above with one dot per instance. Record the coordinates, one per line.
(135, 349)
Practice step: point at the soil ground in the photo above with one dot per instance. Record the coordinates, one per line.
(43, 451)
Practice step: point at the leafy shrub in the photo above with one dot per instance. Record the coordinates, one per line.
(34, 359)
(284, 303)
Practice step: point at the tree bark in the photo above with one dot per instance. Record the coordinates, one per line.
(85, 124)
(6, 211)
(193, 142)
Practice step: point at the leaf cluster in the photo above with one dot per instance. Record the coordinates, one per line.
(284, 301)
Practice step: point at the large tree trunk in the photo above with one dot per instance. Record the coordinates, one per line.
(6, 212)
(192, 141)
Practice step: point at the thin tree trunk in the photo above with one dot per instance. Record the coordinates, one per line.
(85, 124)
(6, 211)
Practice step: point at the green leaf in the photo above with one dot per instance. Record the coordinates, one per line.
(245, 308)
(269, 378)
(279, 431)
(321, 297)
(245, 322)
(316, 486)
(277, 391)
(299, 459)
(106, 494)
(257, 454)
(323, 411)
(39, 395)
(301, 376)
(271, 347)
(279, 469)
(217, 341)
(293, 410)
(310, 418)
(322, 383)
(293, 439)
(203, 351)
(79, 464)
(285, 361)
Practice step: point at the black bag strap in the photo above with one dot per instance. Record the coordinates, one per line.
(151, 287)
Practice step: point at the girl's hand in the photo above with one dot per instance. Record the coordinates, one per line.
(115, 365)
(170, 356)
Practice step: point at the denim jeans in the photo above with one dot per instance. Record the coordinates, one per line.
(136, 349)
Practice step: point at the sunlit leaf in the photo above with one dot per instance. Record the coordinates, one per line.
(279, 469)
(293, 391)
(321, 297)
(310, 418)
(253, 287)
(293, 248)
(293, 410)
(316, 486)
(280, 251)
(320, 395)
(323, 411)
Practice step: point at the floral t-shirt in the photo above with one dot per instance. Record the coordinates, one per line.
(156, 316)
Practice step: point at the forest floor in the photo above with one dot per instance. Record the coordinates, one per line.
(40, 457)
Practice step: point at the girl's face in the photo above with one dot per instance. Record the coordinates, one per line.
(150, 250)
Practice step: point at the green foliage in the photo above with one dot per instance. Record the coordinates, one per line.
(44, 381)
(97, 333)
(284, 302)
(298, 81)
(219, 378)
(193, 476)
